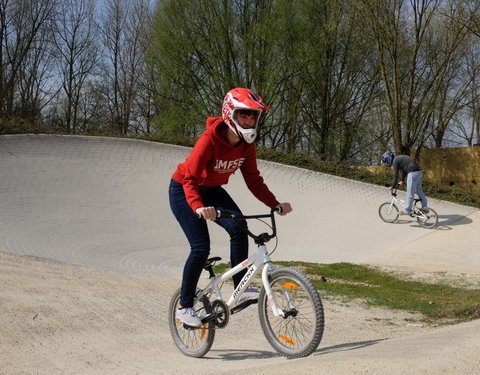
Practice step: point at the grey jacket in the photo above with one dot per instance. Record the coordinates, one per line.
(403, 164)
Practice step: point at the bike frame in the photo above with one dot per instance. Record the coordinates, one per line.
(401, 203)
(254, 263)
(398, 202)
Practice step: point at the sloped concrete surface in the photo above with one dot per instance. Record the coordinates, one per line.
(103, 202)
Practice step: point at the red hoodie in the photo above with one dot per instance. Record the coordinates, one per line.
(213, 160)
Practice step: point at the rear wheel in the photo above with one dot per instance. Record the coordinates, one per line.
(388, 212)
(299, 332)
(427, 217)
(193, 342)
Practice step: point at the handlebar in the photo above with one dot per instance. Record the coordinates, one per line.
(394, 193)
(228, 215)
(262, 237)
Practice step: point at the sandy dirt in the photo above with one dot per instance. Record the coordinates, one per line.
(59, 318)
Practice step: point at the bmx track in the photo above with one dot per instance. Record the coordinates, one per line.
(90, 252)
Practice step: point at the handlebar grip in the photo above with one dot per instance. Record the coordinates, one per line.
(220, 215)
(277, 209)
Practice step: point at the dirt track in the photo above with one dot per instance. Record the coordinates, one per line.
(60, 318)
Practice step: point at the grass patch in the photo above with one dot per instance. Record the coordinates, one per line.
(438, 302)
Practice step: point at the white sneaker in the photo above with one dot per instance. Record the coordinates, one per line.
(188, 316)
(250, 294)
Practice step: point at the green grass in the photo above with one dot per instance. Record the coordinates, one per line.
(438, 302)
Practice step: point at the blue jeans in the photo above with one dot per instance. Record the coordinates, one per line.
(196, 231)
(414, 186)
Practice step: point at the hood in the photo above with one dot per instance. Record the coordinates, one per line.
(217, 128)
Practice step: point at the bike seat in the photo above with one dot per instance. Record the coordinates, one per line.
(211, 261)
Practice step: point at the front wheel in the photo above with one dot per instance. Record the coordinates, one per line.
(427, 217)
(193, 342)
(299, 332)
(388, 212)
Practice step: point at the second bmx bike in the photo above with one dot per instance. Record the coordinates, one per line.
(389, 212)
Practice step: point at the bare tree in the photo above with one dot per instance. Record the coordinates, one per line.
(124, 27)
(24, 26)
(34, 87)
(76, 46)
(419, 52)
(465, 127)
(146, 74)
(113, 24)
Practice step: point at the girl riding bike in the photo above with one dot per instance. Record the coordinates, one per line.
(196, 191)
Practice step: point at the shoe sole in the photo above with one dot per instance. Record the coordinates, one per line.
(179, 320)
(187, 326)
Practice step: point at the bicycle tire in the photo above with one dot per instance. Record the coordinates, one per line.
(300, 332)
(429, 219)
(193, 342)
(388, 212)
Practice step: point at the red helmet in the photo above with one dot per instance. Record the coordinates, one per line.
(238, 99)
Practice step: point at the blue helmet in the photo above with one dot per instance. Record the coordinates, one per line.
(387, 158)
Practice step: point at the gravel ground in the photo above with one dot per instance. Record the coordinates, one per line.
(59, 318)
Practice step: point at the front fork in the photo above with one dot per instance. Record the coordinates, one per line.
(268, 290)
(391, 206)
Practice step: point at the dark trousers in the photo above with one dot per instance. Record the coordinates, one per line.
(196, 231)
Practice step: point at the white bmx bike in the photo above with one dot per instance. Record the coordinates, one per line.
(289, 307)
(389, 212)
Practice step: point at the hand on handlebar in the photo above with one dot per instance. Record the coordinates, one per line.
(399, 183)
(285, 208)
(208, 213)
